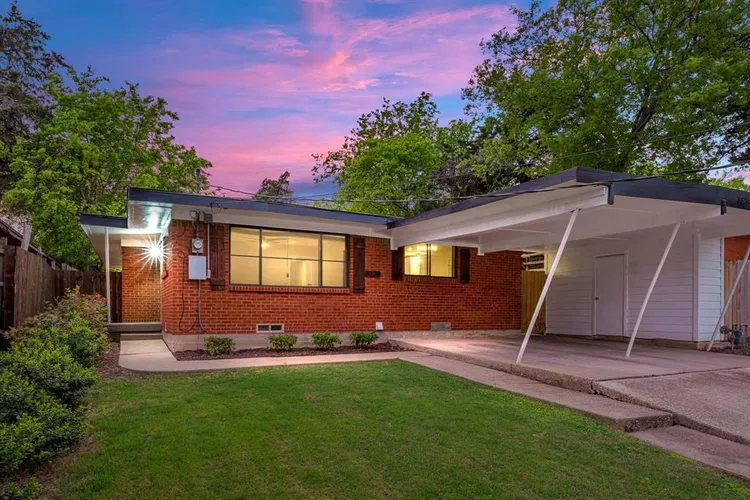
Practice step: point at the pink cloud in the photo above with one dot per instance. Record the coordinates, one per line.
(261, 100)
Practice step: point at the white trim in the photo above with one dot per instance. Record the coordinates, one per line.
(106, 275)
(696, 284)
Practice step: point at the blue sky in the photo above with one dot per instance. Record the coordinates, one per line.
(261, 85)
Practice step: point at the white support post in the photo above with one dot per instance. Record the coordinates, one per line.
(729, 298)
(547, 283)
(106, 274)
(651, 288)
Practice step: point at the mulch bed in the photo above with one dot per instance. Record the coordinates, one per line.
(200, 354)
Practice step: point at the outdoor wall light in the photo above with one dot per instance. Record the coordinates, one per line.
(154, 251)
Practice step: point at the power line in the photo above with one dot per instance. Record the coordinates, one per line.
(516, 193)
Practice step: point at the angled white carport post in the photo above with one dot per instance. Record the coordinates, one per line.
(547, 283)
(729, 298)
(651, 289)
(106, 273)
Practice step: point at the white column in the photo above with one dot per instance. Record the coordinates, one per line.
(547, 283)
(651, 288)
(106, 273)
(729, 299)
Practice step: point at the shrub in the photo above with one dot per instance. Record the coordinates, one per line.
(325, 340)
(216, 346)
(50, 367)
(15, 491)
(283, 341)
(34, 426)
(363, 338)
(78, 321)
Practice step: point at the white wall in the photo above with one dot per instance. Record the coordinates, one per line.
(670, 310)
(710, 286)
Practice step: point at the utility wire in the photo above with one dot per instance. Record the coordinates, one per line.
(500, 194)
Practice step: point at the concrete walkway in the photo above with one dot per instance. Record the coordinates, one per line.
(155, 356)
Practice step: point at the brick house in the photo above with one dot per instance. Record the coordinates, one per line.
(644, 257)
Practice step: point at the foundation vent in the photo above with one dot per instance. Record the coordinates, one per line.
(269, 328)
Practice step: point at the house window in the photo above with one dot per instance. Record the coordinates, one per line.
(429, 259)
(286, 258)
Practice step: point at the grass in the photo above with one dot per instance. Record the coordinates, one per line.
(370, 430)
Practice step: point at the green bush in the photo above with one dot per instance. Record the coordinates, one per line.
(34, 426)
(283, 341)
(78, 321)
(216, 346)
(50, 367)
(325, 340)
(15, 491)
(361, 339)
(44, 377)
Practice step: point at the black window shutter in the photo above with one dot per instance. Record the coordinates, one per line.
(397, 264)
(217, 249)
(359, 265)
(465, 265)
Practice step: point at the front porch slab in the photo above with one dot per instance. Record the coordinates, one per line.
(575, 363)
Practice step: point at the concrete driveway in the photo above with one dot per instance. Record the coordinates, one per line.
(716, 402)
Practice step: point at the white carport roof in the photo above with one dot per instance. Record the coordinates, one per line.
(536, 213)
(581, 204)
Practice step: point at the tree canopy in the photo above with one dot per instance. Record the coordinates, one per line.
(94, 144)
(630, 86)
(25, 65)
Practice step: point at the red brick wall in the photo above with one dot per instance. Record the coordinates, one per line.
(734, 248)
(140, 287)
(492, 300)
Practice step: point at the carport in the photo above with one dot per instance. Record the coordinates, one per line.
(664, 238)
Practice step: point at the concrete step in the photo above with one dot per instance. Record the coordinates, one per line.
(550, 377)
(721, 454)
(624, 416)
(139, 327)
(125, 337)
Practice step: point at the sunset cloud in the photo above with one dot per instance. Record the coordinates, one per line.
(259, 100)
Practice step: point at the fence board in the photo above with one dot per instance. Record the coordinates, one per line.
(30, 284)
(532, 283)
(738, 310)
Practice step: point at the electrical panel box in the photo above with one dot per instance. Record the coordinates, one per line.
(197, 267)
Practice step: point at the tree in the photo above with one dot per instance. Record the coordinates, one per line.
(83, 157)
(390, 120)
(25, 65)
(390, 176)
(275, 190)
(632, 86)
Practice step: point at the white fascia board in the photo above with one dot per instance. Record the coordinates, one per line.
(283, 221)
(597, 227)
(497, 219)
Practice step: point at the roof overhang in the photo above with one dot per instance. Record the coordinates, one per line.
(99, 227)
(535, 214)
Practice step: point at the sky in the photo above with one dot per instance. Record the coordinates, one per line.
(261, 85)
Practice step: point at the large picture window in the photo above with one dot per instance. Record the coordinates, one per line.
(428, 259)
(270, 257)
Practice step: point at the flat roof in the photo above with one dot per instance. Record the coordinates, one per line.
(168, 199)
(621, 184)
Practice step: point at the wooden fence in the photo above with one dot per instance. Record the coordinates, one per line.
(532, 283)
(738, 312)
(29, 284)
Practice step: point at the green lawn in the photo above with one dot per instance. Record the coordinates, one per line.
(359, 431)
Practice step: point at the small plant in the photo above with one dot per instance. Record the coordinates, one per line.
(361, 339)
(216, 346)
(283, 341)
(325, 340)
